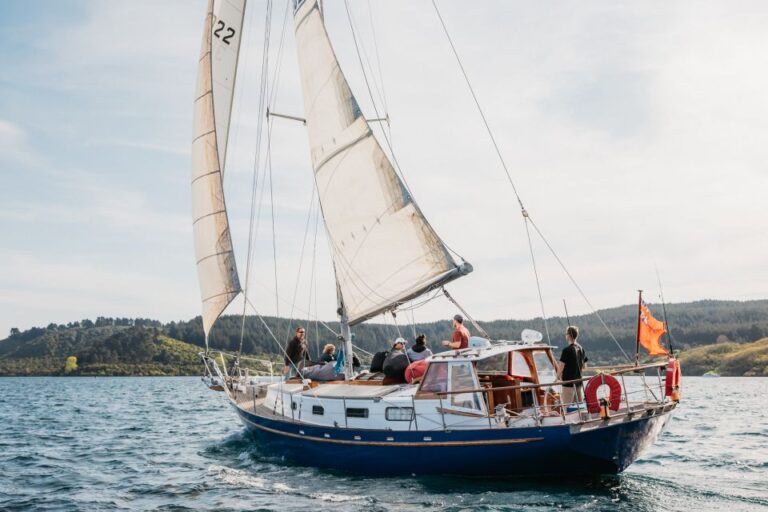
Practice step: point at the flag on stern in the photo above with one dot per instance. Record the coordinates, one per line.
(650, 332)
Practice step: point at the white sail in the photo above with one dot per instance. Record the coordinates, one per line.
(216, 269)
(383, 248)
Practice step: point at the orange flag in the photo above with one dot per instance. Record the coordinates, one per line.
(650, 332)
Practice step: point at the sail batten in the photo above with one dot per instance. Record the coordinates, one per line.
(384, 250)
(217, 68)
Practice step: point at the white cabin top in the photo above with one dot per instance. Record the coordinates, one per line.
(480, 353)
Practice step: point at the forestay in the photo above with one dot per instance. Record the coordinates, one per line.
(384, 250)
(216, 269)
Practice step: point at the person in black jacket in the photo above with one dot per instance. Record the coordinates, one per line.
(397, 361)
(296, 354)
(572, 361)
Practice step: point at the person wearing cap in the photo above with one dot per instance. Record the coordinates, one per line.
(460, 338)
(396, 362)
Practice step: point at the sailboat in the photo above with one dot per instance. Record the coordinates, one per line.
(492, 408)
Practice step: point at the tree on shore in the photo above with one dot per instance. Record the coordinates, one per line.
(70, 365)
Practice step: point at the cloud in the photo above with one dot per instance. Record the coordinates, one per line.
(14, 146)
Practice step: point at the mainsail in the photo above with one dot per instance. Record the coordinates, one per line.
(384, 250)
(216, 269)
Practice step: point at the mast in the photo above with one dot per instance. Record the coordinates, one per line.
(384, 250)
(217, 69)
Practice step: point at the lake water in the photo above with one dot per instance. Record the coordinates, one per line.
(171, 444)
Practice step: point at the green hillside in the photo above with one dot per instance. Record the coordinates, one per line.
(692, 324)
(710, 334)
(728, 359)
(115, 350)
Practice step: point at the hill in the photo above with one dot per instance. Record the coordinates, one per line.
(115, 350)
(692, 324)
(124, 346)
(728, 359)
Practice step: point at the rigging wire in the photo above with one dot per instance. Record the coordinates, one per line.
(272, 213)
(255, 181)
(526, 215)
(300, 310)
(394, 321)
(279, 59)
(235, 131)
(479, 108)
(413, 323)
(301, 262)
(280, 346)
(576, 285)
(313, 278)
(370, 67)
(538, 284)
(379, 67)
(378, 56)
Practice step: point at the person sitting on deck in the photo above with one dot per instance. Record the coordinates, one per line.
(460, 338)
(419, 349)
(396, 362)
(329, 353)
(572, 361)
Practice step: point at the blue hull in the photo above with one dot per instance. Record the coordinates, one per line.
(549, 450)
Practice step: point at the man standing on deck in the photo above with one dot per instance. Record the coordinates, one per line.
(296, 354)
(572, 361)
(460, 338)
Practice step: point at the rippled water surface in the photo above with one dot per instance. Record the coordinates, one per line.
(170, 444)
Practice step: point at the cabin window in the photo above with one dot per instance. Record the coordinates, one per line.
(318, 409)
(399, 413)
(462, 376)
(493, 365)
(520, 366)
(355, 412)
(436, 379)
(544, 368)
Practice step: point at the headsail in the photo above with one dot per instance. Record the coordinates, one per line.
(216, 269)
(384, 250)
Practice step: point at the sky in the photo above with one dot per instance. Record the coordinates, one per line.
(634, 133)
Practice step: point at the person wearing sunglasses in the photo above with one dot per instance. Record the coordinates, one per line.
(296, 354)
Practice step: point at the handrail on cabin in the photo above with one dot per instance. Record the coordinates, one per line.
(556, 383)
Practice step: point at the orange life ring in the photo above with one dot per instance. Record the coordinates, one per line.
(672, 377)
(590, 392)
